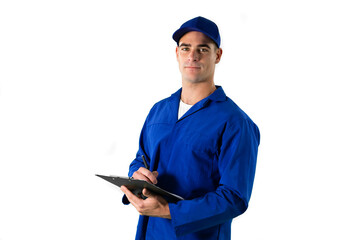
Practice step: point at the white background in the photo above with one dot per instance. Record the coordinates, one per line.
(77, 79)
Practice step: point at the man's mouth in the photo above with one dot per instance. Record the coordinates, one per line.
(192, 67)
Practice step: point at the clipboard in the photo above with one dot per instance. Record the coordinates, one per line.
(136, 186)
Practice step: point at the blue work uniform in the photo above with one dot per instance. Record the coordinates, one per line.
(208, 157)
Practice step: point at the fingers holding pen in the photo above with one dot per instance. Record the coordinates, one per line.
(144, 174)
(155, 173)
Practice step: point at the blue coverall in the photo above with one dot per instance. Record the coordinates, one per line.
(208, 157)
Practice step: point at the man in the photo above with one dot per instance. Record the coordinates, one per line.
(199, 145)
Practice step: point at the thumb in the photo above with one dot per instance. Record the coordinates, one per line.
(147, 193)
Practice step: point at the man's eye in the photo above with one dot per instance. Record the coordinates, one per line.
(204, 50)
(185, 49)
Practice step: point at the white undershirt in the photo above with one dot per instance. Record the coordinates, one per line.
(183, 108)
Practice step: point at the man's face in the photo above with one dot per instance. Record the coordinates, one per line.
(197, 55)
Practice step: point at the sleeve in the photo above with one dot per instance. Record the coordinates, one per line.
(236, 163)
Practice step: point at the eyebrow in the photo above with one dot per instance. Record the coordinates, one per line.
(200, 45)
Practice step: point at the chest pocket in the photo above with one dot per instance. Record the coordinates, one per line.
(198, 142)
(199, 154)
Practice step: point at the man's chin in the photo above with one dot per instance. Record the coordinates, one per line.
(194, 80)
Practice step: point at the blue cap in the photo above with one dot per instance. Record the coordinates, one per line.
(199, 24)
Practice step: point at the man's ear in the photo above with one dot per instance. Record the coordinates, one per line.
(177, 53)
(219, 52)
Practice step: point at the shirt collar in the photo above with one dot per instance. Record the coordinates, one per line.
(217, 96)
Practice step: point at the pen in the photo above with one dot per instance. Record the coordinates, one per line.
(144, 161)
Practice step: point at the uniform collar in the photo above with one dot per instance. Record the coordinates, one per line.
(217, 96)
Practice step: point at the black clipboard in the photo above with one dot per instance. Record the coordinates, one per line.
(136, 186)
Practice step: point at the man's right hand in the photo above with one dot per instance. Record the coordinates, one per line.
(144, 174)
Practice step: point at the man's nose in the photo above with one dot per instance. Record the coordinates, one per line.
(193, 56)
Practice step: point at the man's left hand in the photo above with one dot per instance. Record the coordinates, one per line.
(153, 206)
